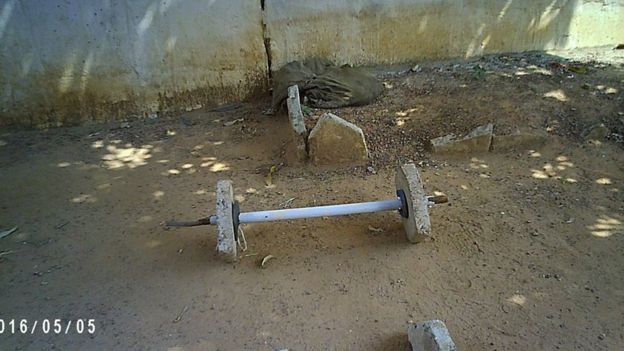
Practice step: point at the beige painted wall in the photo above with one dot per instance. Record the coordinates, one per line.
(396, 31)
(73, 61)
(63, 62)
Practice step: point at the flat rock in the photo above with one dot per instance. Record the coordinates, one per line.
(597, 132)
(478, 140)
(519, 140)
(430, 336)
(336, 141)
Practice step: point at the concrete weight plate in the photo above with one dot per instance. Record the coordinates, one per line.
(226, 238)
(417, 225)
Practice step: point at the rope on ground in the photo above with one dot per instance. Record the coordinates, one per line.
(240, 240)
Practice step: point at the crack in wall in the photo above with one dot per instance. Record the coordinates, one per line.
(266, 40)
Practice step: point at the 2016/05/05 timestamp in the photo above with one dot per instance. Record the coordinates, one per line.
(47, 326)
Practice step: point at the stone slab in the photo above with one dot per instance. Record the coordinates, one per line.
(519, 141)
(417, 225)
(477, 141)
(297, 123)
(226, 239)
(295, 114)
(336, 141)
(430, 336)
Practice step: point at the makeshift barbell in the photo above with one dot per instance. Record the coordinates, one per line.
(411, 203)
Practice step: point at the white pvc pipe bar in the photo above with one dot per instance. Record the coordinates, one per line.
(319, 211)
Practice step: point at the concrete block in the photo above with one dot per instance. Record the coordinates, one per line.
(478, 140)
(336, 141)
(430, 336)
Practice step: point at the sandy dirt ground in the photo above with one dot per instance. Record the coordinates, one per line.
(527, 255)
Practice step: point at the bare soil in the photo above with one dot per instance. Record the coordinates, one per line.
(527, 255)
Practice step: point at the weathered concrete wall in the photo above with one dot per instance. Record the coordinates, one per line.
(69, 61)
(79, 60)
(395, 31)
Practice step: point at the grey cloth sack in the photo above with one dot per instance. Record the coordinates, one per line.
(325, 85)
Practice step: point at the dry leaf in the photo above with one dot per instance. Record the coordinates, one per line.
(179, 316)
(7, 232)
(266, 259)
(578, 69)
(375, 230)
(231, 123)
(4, 253)
(287, 203)
(269, 177)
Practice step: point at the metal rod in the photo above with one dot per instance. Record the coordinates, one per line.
(309, 212)
(319, 211)
(201, 221)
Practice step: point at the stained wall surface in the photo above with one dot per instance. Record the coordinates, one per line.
(395, 31)
(72, 61)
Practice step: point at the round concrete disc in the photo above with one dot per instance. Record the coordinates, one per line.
(226, 240)
(417, 225)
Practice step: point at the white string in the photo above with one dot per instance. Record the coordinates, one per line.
(240, 240)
